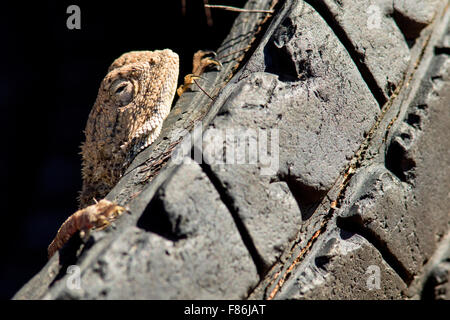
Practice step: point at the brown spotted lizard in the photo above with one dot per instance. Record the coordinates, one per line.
(133, 100)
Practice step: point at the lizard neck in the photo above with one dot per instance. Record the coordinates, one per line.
(100, 172)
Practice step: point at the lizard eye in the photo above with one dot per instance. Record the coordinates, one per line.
(123, 90)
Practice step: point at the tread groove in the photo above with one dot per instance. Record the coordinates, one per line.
(367, 76)
(261, 267)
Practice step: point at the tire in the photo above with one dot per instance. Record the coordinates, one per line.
(351, 100)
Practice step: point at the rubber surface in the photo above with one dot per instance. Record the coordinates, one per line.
(351, 200)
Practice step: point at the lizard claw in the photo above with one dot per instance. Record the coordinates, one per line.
(202, 61)
(188, 80)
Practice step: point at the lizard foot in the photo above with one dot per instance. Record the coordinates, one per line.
(202, 61)
(97, 216)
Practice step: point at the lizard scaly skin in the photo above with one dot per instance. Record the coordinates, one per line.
(132, 102)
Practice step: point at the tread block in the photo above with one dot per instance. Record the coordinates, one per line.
(366, 25)
(414, 15)
(344, 266)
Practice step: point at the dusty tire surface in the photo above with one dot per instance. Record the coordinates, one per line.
(346, 106)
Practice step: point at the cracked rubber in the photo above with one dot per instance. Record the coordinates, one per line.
(355, 96)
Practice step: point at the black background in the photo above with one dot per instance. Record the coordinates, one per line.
(48, 82)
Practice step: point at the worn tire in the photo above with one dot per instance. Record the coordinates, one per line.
(354, 99)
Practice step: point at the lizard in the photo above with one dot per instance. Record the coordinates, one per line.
(133, 100)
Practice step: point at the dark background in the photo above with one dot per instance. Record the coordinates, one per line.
(49, 80)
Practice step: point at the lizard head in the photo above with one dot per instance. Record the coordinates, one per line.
(132, 102)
